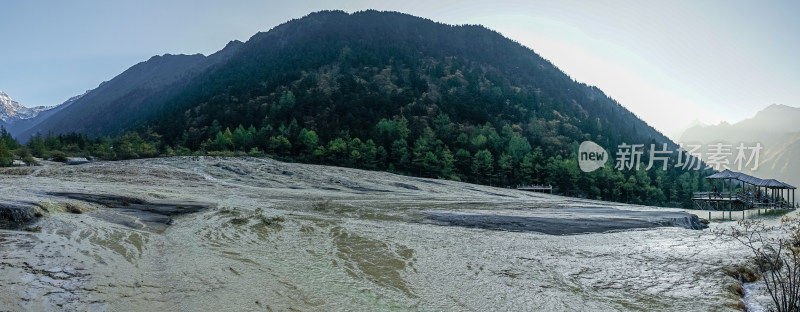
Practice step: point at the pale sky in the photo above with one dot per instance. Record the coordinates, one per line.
(669, 62)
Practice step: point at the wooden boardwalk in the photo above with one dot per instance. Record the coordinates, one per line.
(536, 188)
(720, 201)
(744, 192)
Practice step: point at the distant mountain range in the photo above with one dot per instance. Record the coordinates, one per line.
(126, 101)
(776, 128)
(17, 118)
(11, 111)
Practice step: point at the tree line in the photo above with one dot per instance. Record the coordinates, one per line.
(486, 156)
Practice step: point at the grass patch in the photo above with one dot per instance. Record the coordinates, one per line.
(34, 229)
(238, 218)
(76, 208)
(771, 213)
(744, 273)
(321, 205)
(51, 207)
(17, 171)
(239, 221)
(39, 212)
(270, 221)
(228, 211)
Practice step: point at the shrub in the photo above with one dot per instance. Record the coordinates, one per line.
(777, 257)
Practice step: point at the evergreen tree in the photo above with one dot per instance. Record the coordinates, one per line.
(307, 141)
(483, 165)
(6, 157)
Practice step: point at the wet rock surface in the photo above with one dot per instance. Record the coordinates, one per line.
(72, 161)
(565, 221)
(16, 216)
(137, 213)
(162, 207)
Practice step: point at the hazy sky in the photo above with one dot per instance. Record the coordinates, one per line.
(667, 61)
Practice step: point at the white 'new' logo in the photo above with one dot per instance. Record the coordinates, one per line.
(591, 156)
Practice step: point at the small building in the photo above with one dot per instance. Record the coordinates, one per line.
(744, 191)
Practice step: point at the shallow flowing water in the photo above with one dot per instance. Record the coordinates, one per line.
(274, 241)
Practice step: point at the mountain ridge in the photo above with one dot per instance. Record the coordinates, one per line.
(379, 91)
(774, 128)
(11, 110)
(15, 117)
(278, 36)
(98, 111)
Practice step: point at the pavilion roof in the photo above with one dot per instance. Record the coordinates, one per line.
(733, 175)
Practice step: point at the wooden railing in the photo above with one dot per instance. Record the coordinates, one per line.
(535, 187)
(712, 195)
(749, 199)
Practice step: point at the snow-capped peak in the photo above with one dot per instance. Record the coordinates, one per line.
(10, 109)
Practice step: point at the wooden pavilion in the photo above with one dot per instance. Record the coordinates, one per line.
(744, 192)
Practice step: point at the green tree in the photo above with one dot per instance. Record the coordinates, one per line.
(287, 100)
(147, 150)
(6, 157)
(319, 153)
(430, 165)
(51, 142)
(369, 154)
(386, 131)
(103, 149)
(531, 168)
(242, 139)
(462, 140)
(443, 127)
(307, 141)
(7, 139)
(261, 139)
(355, 159)
(280, 145)
(505, 166)
(37, 146)
(423, 146)
(463, 162)
(555, 173)
(215, 128)
(447, 164)
(381, 157)
(402, 128)
(400, 157)
(125, 148)
(631, 190)
(518, 147)
(337, 151)
(483, 165)
(479, 141)
(223, 140)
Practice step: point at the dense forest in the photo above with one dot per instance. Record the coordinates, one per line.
(389, 91)
(517, 162)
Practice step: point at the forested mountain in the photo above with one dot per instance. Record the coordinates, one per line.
(380, 91)
(347, 72)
